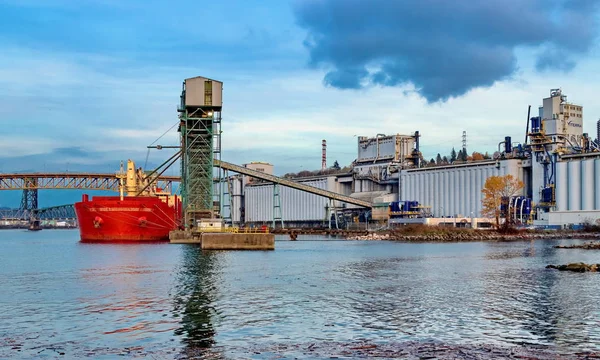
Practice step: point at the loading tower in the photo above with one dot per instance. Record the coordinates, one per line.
(200, 129)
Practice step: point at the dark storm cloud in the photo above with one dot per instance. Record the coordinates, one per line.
(445, 48)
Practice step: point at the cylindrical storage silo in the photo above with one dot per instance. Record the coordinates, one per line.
(423, 189)
(561, 186)
(574, 188)
(426, 188)
(597, 184)
(472, 191)
(415, 194)
(436, 194)
(587, 185)
(413, 187)
(453, 192)
(477, 190)
(467, 193)
(445, 192)
(460, 191)
(402, 185)
(464, 193)
(457, 199)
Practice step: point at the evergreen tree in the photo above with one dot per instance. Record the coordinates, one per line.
(438, 159)
(453, 156)
(336, 165)
(432, 161)
(445, 160)
(459, 157)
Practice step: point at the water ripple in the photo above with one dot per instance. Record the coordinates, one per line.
(168, 301)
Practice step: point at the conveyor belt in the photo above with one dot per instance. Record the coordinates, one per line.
(292, 184)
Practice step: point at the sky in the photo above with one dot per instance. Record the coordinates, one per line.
(85, 84)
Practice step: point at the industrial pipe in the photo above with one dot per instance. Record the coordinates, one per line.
(522, 203)
(527, 128)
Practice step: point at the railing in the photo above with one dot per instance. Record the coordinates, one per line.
(234, 230)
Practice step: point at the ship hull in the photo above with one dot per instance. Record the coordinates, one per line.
(137, 218)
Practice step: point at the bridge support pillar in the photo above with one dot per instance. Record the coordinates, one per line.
(29, 203)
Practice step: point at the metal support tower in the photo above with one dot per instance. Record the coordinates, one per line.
(29, 203)
(219, 197)
(200, 128)
(332, 210)
(277, 206)
(227, 208)
(197, 175)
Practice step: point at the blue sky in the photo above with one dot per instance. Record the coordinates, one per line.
(85, 84)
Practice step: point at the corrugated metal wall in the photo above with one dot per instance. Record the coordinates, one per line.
(296, 205)
(452, 191)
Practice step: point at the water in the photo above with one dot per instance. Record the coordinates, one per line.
(61, 298)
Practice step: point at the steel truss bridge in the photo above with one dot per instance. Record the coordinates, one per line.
(61, 212)
(87, 181)
(30, 183)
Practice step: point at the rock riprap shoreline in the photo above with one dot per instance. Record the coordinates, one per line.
(460, 236)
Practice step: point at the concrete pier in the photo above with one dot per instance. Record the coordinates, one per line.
(224, 241)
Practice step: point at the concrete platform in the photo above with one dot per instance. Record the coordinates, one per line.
(224, 241)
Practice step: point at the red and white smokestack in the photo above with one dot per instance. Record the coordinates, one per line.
(324, 157)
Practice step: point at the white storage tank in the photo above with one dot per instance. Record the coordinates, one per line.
(562, 185)
(597, 184)
(587, 182)
(574, 186)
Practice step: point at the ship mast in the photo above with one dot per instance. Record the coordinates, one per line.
(121, 175)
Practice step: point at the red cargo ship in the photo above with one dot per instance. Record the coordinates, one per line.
(142, 212)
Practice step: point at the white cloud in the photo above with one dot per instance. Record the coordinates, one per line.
(14, 146)
(90, 101)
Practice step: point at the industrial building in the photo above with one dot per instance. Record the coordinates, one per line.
(558, 164)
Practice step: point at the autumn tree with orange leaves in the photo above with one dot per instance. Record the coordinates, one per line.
(496, 188)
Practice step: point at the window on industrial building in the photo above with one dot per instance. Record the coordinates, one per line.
(208, 93)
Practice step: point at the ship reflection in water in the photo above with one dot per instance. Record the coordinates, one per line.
(163, 301)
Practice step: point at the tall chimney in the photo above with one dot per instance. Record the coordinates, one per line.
(324, 156)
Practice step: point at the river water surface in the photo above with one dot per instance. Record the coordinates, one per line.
(60, 298)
